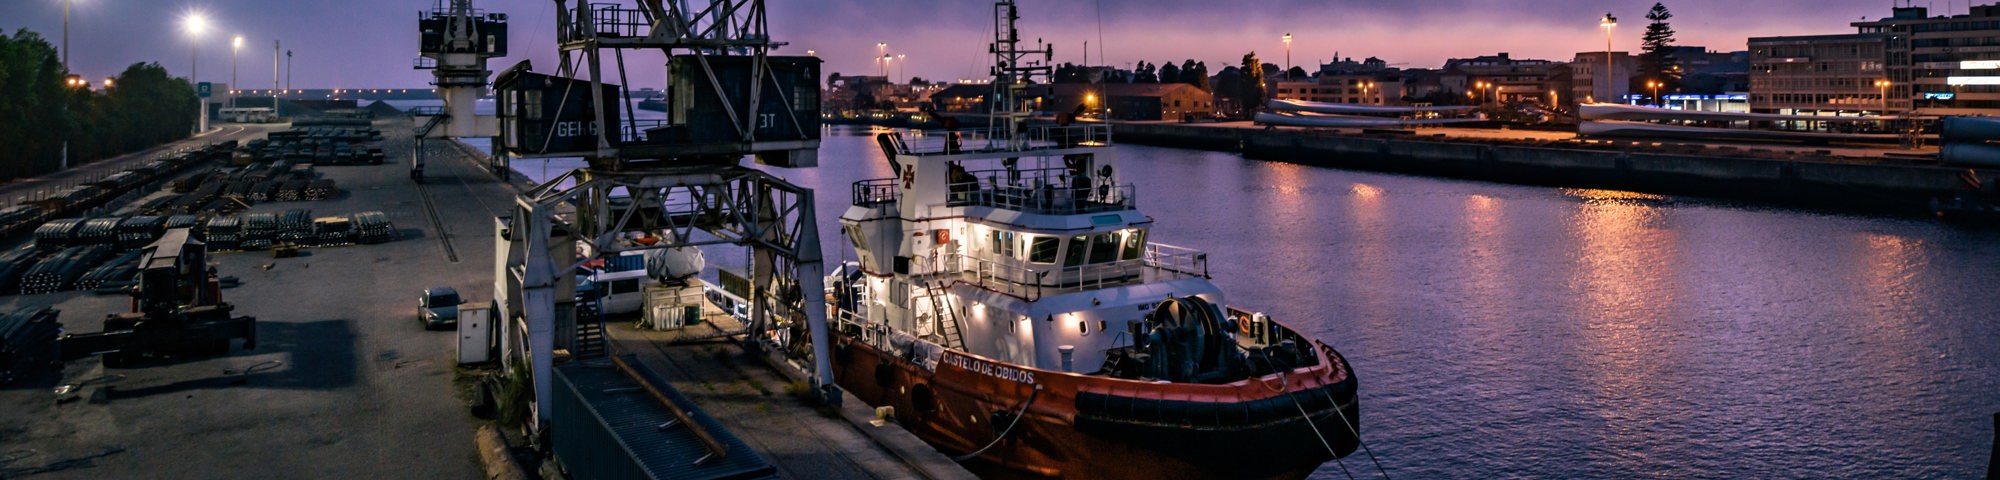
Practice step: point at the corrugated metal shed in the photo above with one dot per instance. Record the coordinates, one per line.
(603, 426)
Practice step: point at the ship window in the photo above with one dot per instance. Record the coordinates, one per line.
(1103, 248)
(854, 235)
(1135, 244)
(1003, 243)
(1043, 249)
(1074, 256)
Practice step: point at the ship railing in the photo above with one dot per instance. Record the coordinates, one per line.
(1012, 280)
(1051, 191)
(881, 193)
(1169, 258)
(995, 139)
(609, 20)
(634, 129)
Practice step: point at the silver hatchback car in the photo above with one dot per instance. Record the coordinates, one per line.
(438, 308)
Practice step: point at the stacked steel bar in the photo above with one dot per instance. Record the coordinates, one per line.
(13, 264)
(373, 227)
(224, 232)
(136, 232)
(57, 234)
(117, 271)
(28, 343)
(59, 272)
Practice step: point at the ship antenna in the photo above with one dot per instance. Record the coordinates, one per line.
(1012, 74)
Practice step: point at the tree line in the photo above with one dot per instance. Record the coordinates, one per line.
(39, 110)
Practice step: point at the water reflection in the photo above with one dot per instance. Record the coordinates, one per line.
(1624, 275)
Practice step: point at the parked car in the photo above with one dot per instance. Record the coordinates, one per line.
(438, 308)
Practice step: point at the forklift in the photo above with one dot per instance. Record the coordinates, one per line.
(177, 311)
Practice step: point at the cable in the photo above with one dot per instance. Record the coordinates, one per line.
(1285, 384)
(1010, 427)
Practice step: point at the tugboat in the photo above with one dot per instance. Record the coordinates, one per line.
(1008, 308)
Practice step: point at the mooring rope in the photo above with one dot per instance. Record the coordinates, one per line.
(1003, 433)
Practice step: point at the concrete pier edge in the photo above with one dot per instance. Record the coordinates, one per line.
(1880, 187)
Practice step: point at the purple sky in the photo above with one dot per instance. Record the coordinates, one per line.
(370, 43)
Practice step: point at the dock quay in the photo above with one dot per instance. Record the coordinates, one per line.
(1867, 179)
(345, 382)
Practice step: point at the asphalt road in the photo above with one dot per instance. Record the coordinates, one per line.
(343, 383)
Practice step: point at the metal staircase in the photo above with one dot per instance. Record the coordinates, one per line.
(590, 341)
(947, 318)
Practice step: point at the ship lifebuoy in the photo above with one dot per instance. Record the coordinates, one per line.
(1243, 325)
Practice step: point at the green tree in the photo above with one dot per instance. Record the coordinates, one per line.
(145, 107)
(1196, 73)
(1656, 63)
(1250, 93)
(34, 118)
(1170, 73)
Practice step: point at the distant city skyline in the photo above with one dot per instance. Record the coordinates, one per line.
(370, 43)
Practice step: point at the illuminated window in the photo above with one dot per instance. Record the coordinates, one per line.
(1043, 249)
(1135, 244)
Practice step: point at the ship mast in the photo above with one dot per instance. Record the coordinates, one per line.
(1011, 75)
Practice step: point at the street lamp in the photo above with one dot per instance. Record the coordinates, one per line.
(882, 50)
(1656, 93)
(902, 64)
(195, 25)
(66, 34)
(235, 47)
(1609, 22)
(1884, 86)
(1288, 57)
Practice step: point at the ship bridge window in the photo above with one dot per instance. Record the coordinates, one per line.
(1074, 256)
(1103, 248)
(1135, 244)
(1043, 249)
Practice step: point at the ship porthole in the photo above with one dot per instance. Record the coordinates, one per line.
(922, 398)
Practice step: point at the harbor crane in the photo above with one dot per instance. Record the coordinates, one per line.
(683, 178)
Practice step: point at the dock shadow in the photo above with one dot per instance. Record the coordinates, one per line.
(320, 356)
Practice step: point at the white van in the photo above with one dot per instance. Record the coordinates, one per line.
(620, 284)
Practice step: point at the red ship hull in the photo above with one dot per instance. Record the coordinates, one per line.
(1085, 426)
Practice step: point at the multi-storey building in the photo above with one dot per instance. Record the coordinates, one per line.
(1358, 89)
(1818, 75)
(1591, 82)
(1947, 65)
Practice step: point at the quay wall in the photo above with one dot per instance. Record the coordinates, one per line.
(1885, 187)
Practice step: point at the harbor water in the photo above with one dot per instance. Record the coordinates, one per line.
(1504, 331)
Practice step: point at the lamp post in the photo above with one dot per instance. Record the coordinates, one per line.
(1655, 85)
(882, 50)
(1609, 22)
(195, 25)
(66, 35)
(1884, 86)
(903, 64)
(1288, 57)
(235, 48)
